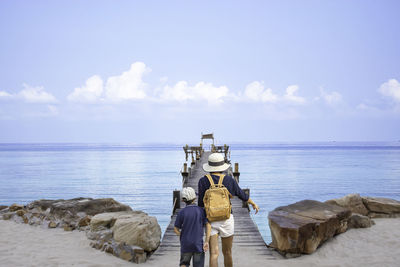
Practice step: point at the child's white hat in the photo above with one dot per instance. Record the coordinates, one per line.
(188, 193)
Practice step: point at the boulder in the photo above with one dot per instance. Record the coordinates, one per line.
(2, 207)
(382, 205)
(359, 221)
(303, 226)
(129, 235)
(107, 220)
(352, 202)
(138, 230)
(72, 207)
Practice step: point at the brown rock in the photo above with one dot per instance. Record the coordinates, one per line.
(68, 227)
(85, 221)
(2, 207)
(20, 212)
(52, 224)
(15, 207)
(126, 255)
(352, 202)
(382, 205)
(25, 219)
(359, 221)
(303, 226)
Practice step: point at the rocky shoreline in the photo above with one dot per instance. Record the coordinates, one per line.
(113, 227)
(302, 227)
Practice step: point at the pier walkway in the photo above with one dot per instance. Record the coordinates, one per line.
(247, 236)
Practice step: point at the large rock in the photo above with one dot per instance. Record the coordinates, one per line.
(382, 205)
(130, 235)
(107, 220)
(303, 226)
(352, 202)
(72, 207)
(138, 230)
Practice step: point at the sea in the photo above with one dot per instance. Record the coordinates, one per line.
(144, 176)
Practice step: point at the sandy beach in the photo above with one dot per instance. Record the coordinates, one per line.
(24, 245)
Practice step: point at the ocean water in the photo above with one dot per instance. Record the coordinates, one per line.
(144, 176)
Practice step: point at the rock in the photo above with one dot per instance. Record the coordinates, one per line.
(104, 235)
(382, 205)
(8, 215)
(68, 227)
(20, 212)
(107, 220)
(352, 201)
(15, 207)
(52, 224)
(72, 209)
(359, 221)
(138, 229)
(2, 207)
(126, 255)
(303, 226)
(85, 221)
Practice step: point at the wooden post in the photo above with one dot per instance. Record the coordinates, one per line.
(236, 172)
(186, 151)
(185, 173)
(176, 200)
(245, 204)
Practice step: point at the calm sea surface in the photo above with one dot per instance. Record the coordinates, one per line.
(144, 176)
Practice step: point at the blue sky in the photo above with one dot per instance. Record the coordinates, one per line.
(164, 71)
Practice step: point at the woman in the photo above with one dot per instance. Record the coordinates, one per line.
(225, 228)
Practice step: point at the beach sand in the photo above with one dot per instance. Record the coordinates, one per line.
(24, 245)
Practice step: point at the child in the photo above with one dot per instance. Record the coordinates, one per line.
(189, 226)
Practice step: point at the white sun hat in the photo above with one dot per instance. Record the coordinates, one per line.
(216, 163)
(188, 193)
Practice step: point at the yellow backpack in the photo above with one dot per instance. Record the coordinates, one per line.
(217, 200)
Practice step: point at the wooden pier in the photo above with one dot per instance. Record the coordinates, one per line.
(247, 235)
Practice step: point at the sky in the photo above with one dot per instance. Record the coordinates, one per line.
(166, 71)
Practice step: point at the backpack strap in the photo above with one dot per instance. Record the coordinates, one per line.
(210, 179)
(221, 179)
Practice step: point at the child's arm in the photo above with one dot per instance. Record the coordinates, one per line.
(208, 234)
(177, 231)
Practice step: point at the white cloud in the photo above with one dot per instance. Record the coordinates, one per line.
(4, 94)
(36, 95)
(90, 92)
(129, 85)
(391, 89)
(291, 97)
(255, 91)
(331, 98)
(182, 92)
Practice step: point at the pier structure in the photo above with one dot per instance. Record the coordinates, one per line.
(247, 236)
